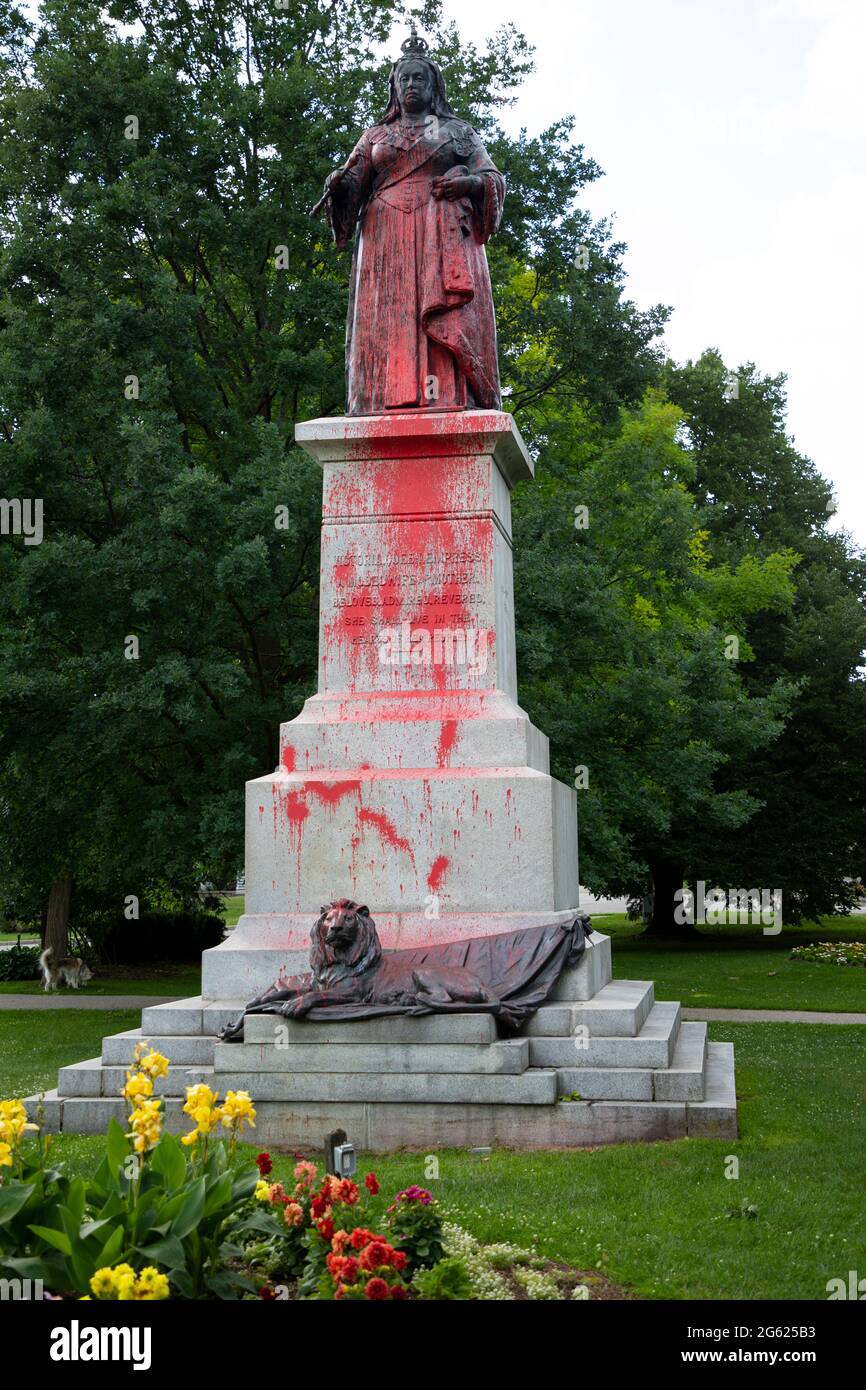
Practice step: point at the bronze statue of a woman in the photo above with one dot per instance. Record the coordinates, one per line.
(425, 197)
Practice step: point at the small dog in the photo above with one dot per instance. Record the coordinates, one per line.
(68, 970)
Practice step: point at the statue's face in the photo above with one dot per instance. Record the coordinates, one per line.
(414, 82)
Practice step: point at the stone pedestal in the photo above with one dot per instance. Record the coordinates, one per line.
(420, 787)
(412, 781)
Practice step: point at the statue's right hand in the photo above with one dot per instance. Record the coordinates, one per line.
(334, 179)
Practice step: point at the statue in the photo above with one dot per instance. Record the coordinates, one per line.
(425, 196)
(350, 977)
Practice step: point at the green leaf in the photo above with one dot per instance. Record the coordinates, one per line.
(58, 1239)
(111, 1249)
(168, 1252)
(219, 1195)
(192, 1210)
(12, 1199)
(169, 1160)
(75, 1199)
(32, 1267)
(117, 1145)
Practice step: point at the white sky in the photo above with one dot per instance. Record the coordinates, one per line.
(732, 134)
(733, 138)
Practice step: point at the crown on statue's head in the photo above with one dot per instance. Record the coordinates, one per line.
(415, 46)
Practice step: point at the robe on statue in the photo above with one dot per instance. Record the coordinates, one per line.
(421, 331)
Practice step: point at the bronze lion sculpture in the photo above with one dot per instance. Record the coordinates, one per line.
(348, 966)
(351, 976)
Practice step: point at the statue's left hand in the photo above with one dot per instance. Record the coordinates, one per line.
(455, 186)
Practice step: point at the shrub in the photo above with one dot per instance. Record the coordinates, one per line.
(154, 936)
(415, 1225)
(446, 1281)
(20, 963)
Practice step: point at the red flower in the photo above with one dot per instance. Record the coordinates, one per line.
(359, 1238)
(325, 1227)
(319, 1207)
(345, 1191)
(264, 1164)
(376, 1289)
(372, 1185)
(266, 1292)
(397, 1291)
(398, 1259)
(350, 1269)
(375, 1255)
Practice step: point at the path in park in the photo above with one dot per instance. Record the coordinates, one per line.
(143, 1001)
(771, 1016)
(83, 1001)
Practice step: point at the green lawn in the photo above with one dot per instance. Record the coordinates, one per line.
(654, 1217)
(738, 968)
(232, 910)
(176, 981)
(34, 1044)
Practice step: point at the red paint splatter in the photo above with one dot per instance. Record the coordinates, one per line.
(437, 872)
(447, 740)
(386, 829)
(288, 758)
(332, 792)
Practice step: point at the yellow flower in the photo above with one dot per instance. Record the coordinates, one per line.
(137, 1086)
(102, 1283)
(124, 1283)
(6, 1155)
(146, 1124)
(206, 1119)
(153, 1064)
(199, 1097)
(263, 1191)
(191, 1138)
(237, 1110)
(13, 1121)
(201, 1106)
(151, 1285)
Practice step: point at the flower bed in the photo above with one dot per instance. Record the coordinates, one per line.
(832, 952)
(195, 1218)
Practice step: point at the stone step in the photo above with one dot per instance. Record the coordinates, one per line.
(532, 1087)
(685, 1078)
(605, 1083)
(470, 1028)
(592, 972)
(384, 1127)
(652, 1048)
(190, 1016)
(715, 1117)
(506, 1057)
(93, 1078)
(619, 1009)
(187, 1049)
(682, 1081)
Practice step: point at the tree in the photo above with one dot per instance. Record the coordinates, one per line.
(808, 838)
(621, 631)
(168, 311)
